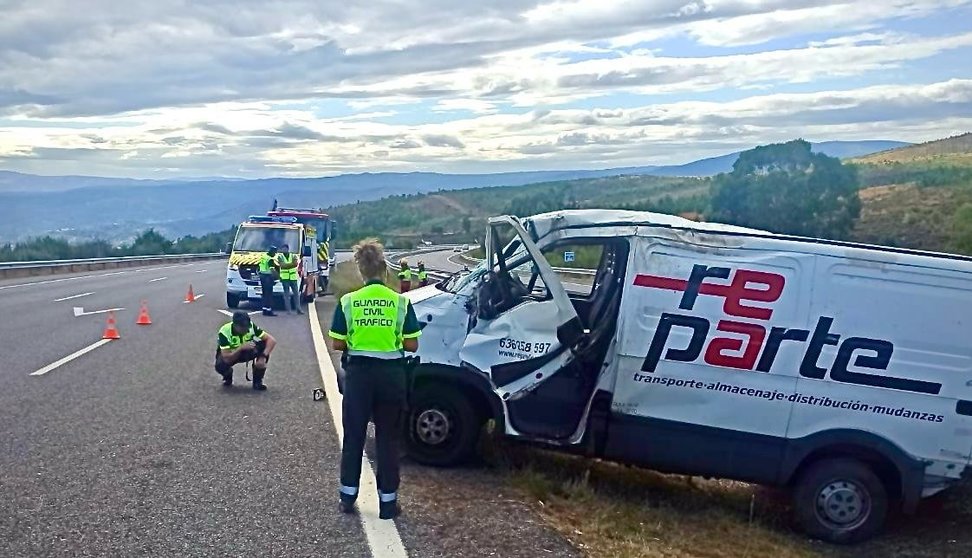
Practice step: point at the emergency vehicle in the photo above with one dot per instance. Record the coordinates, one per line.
(253, 238)
(319, 226)
(840, 371)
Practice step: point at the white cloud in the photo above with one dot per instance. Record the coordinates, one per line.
(240, 140)
(238, 87)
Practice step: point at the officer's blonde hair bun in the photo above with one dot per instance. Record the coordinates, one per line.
(369, 255)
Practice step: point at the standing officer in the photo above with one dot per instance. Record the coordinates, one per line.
(404, 276)
(268, 264)
(287, 263)
(242, 341)
(423, 276)
(375, 326)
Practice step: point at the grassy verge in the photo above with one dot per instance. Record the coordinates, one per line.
(614, 511)
(345, 278)
(609, 510)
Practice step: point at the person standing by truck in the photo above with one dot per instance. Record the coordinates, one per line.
(404, 276)
(268, 276)
(374, 326)
(287, 263)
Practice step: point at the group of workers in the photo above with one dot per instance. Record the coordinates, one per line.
(281, 266)
(405, 275)
(373, 327)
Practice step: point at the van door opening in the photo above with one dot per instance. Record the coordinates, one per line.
(541, 347)
(555, 408)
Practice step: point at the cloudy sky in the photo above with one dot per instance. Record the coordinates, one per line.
(317, 87)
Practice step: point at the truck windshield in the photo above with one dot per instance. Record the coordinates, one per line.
(259, 239)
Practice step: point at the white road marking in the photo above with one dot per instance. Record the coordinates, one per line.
(79, 311)
(70, 357)
(382, 534)
(201, 270)
(49, 281)
(157, 279)
(72, 297)
(195, 298)
(230, 314)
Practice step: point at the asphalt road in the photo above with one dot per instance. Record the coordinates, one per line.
(135, 448)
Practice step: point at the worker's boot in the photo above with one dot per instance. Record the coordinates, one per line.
(258, 380)
(388, 510)
(347, 503)
(227, 377)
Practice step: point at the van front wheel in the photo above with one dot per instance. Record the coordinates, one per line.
(840, 501)
(442, 429)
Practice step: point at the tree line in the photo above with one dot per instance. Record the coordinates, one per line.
(147, 243)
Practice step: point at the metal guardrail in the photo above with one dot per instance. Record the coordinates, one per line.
(564, 270)
(434, 274)
(51, 267)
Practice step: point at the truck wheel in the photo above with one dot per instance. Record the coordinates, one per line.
(840, 500)
(442, 429)
(232, 300)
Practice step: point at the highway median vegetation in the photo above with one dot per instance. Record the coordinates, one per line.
(147, 243)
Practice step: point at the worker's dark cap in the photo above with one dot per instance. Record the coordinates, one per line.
(285, 246)
(241, 318)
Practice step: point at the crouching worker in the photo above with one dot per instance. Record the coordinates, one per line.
(242, 341)
(374, 326)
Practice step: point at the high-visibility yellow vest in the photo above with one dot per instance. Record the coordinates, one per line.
(422, 275)
(375, 317)
(287, 274)
(234, 340)
(405, 274)
(265, 261)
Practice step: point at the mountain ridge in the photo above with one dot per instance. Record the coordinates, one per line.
(83, 208)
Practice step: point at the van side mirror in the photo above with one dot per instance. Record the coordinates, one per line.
(307, 252)
(228, 248)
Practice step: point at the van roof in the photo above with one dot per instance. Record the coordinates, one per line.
(545, 223)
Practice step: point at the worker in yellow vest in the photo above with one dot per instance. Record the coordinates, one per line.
(374, 326)
(268, 277)
(287, 263)
(423, 276)
(404, 276)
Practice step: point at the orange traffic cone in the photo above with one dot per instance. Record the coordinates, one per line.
(143, 315)
(190, 297)
(111, 332)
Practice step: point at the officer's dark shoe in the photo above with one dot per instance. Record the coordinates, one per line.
(388, 510)
(228, 379)
(258, 380)
(269, 313)
(346, 504)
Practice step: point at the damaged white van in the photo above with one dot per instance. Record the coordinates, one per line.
(840, 371)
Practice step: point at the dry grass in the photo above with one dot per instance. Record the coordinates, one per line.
(614, 511)
(953, 150)
(345, 278)
(609, 510)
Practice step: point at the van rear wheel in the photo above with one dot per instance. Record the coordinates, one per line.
(442, 429)
(232, 300)
(840, 500)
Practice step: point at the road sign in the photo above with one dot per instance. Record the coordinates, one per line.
(568, 257)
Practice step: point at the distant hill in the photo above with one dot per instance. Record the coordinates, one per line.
(956, 149)
(81, 207)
